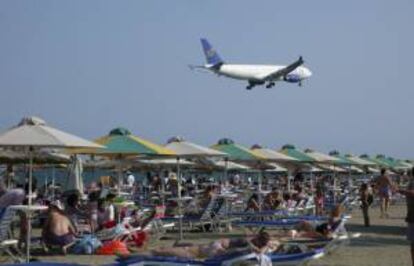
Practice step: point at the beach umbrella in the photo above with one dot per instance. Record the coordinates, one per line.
(377, 162)
(74, 180)
(321, 157)
(271, 155)
(43, 156)
(276, 168)
(342, 159)
(236, 152)
(186, 149)
(360, 161)
(403, 165)
(120, 143)
(290, 150)
(229, 165)
(326, 162)
(32, 134)
(386, 161)
(303, 158)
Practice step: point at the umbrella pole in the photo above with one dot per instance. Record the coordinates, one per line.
(180, 217)
(226, 172)
(53, 182)
(29, 229)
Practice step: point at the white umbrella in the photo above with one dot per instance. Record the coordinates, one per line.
(276, 168)
(229, 165)
(360, 161)
(74, 179)
(321, 157)
(31, 134)
(185, 149)
(271, 155)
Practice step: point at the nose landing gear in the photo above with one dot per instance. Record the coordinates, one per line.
(270, 85)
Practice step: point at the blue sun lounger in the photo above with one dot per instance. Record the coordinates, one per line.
(262, 260)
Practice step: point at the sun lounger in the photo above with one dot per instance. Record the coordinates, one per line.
(299, 258)
(8, 245)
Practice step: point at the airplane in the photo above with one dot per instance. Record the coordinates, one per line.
(254, 74)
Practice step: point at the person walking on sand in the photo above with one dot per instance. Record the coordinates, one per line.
(365, 197)
(409, 194)
(384, 187)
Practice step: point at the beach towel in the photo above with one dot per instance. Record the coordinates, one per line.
(86, 245)
(113, 247)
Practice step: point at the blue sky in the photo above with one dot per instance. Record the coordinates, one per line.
(89, 66)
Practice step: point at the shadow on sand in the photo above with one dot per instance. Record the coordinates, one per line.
(377, 229)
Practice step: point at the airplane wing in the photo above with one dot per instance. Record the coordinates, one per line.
(284, 71)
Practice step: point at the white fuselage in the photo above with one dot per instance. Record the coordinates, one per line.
(258, 72)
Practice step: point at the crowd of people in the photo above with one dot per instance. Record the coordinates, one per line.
(72, 214)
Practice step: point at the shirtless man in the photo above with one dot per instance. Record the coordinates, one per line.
(58, 229)
(384, 186)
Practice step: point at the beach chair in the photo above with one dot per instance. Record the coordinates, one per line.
(206, 218)
(8, 246)
(235, 258)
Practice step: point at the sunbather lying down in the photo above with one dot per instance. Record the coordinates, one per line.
(324, 230)
(259, 243)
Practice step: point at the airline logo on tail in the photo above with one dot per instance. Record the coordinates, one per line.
(212, 56)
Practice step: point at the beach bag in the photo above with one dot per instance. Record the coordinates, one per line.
(86, 245)
(113, 247)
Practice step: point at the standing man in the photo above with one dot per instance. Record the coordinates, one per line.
(409, 194)
(384, 187)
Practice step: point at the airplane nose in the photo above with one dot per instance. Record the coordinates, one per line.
(308, 73)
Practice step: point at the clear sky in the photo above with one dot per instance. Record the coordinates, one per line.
(89, 66)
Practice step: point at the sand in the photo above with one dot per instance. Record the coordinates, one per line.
(383, 243)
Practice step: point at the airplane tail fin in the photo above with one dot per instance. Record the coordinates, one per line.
(212, 56)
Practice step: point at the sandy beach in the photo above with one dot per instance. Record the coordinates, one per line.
(383, 243)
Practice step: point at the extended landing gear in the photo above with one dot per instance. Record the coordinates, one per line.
(300, 83)
(270, 85)
(249, 87)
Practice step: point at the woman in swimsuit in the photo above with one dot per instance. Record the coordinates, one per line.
(216, 248)
(384, 187)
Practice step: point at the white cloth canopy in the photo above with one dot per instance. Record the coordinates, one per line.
(360, 161)
(230, 165)
(74, 179)
(33, 132)
(168, 161)
(188, 149)
(332, 168)
(272, 155)
(276, 168)
(321, 157)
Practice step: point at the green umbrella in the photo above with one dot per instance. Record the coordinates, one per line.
(236, 152)
(343, 160)
(390, 162)
(378, 162)
(291, 151)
